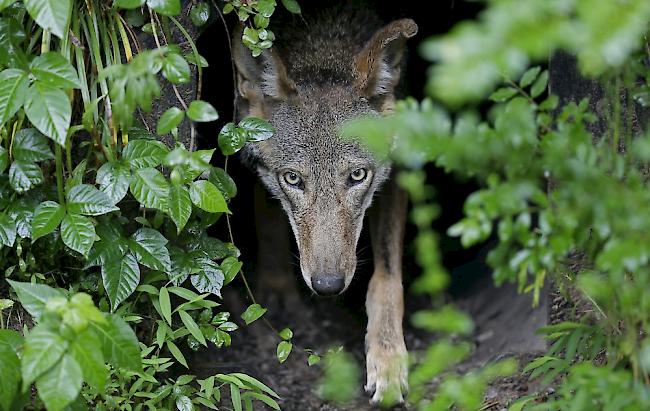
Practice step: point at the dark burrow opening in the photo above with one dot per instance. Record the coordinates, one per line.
(505, 320)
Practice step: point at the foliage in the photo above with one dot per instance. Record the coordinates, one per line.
(102, 226)
(552, 192)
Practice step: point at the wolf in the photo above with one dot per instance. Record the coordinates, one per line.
(322, 71)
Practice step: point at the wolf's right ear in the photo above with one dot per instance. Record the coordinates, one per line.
(258, 79)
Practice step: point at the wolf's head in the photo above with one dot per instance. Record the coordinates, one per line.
(310, 83)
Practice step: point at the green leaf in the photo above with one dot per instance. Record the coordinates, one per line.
(252, 382)
(113, 180)
(202, 111)
(7, 230)
(144, 153)
(24, 176)
(53, 69)
(13, 92)
(49, 110)
(33, 297)
(256, 129)
(6, 3)
(61, 385)
(540, 85)
(87, 351)
(283, 351)
(29, 146)
(148, 245)
(252, 313)
(165, 305)
(120, 277)
(176, 69)
(207, 197)
(184, 403)
(52, 15)
(503, 94)
(231, 139)
(313, 359)
(199, 14)
(4, 159)
(262, 397)
(235, 397)
(173, 349)
(223, 182)
(292, 6)
(9, 376)
(529, 76)
(191, 58)
(47, 217)
(150, 188)
(192, 327)
(43, 349)
(180, 206)
(119, 343)
(78, 233)
(230, 267)
(169, 120)
(128, 4)
(286, 334)
(209, 279)
(86, 199)
(165, 7)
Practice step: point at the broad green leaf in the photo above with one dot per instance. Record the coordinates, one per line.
(209, 279)
(503, 94)
(47, 217)
(7, 230)
(9, 376)
(173, 349)
(176, 69)
(13, 92)
(235, 397)
(33, 297)
(199, 14)
(6, 3)
(169, 120)
(78, 233)
(191, 58)
(52, 15)
(257, 129)
(144, 153)
(128, 4)
(77, 176)
(252, 313)
(180, 206)
(283, 351)
(120, 277)
(119, 343)
(86, 199)
(539, 86)
(61, 385)
(223, 182)
(111, 246)
(231, 139)
(12, 339)
(313, 359)
(29, 146)
(150, 188)
(113, 180)
(165, 305)
(4, 159)
(148, 245)
(529, 76)
(43, 349)
(230, 267)
(286, 334)
(202, 111)
(292, 6)
(183, 264)
(49, 110)
(165, 7)
(21, 211)
(53, 69)
(192, 327)
(183, 403)
(86, 349)
(207, 197)
(24, 176)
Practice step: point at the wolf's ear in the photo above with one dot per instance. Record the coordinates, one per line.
(378, 64)
(258, 79)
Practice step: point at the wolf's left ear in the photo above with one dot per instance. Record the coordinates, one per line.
(377, 65)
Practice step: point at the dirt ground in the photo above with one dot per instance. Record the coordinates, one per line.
(505, 327)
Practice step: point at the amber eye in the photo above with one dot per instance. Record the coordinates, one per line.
(292, 178)
(358, 175)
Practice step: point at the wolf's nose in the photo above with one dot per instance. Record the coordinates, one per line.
(327, 284)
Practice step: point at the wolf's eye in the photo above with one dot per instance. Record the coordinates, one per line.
(292, 178)
(358, 175)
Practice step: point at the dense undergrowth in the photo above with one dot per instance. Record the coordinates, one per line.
(103, 227)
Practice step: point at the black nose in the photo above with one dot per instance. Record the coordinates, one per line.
(327, 284)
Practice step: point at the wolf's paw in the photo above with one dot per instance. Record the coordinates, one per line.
(387, 371)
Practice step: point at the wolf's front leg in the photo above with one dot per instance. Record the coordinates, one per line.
(386, 356)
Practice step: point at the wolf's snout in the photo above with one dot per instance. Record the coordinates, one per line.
(325, 284)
